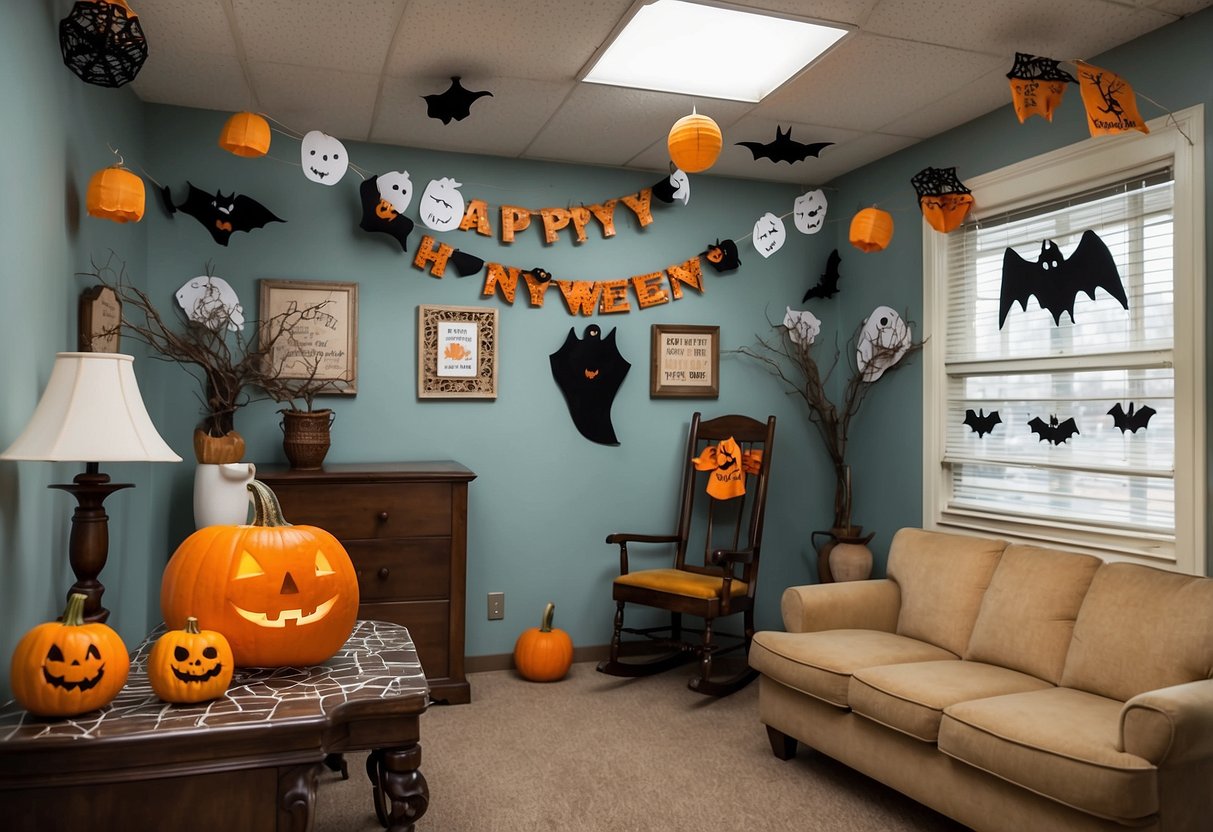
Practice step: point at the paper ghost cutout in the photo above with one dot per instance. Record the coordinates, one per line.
(802, 325)
(441, 206)
(1056, 280)
(465, 264)
(1055, 433)
(378, 214)
(722, 256)
(981, 422)
(882, 342)
(675, 186)
(769, 234)
(1131, 420)
(224, 215)
(455, 103)
(809, 211)
(396, 189)
(827, 285)
(211, 301)
(589, 372)
(323, 158)
(784, 149)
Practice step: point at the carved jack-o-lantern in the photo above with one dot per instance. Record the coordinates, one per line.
(190, 665)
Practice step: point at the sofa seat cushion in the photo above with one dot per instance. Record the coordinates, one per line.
(911, 697)
(821, 664)
(1060, 743)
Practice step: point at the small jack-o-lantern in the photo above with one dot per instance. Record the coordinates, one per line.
(281, 594)
(871, 230)
(190, 665)
(114, 193)
(64, 668)
(694, 143)
(246, 134)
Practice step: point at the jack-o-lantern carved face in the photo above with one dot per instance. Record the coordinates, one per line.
(196, 668)
(190, 665)
(769, 234)
(809, 212)
(441, 206)
(396, 189)
(722, 255)
(324, 158)
(306, 591)
(78, 671)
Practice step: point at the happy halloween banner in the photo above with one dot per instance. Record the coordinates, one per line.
(555, 220)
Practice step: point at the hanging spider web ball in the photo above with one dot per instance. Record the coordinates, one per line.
(102, 42)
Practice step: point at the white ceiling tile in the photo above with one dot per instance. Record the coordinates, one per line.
(856, 153)
(987, 93)
(341, 104)
(194, 25)
(193, 79)
(354, 37)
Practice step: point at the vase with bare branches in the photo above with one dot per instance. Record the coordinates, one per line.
(306, 429)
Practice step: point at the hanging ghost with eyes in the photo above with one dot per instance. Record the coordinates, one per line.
(803, 326)
(769, 234)
(809, 211)
(441, 205)
(882, 342)
(211, 301)
(323, 157)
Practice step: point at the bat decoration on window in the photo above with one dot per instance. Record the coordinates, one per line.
(1056, 280)
(1055, 433)
(783, 148)
(1133, 419)
(455, 103)
(223, 215)
(722, 256)
(827, 286)
(981, 422)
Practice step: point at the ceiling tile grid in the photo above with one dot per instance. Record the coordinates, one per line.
(353, 37)
(317, 98)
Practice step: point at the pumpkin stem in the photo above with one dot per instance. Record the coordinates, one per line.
(266, 510)
(191, 626)
(548, 612)
(73, 615)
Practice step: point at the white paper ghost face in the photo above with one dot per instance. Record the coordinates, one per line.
(441, 206)
(882, 342)
(769, 234)
(810, 212)
(682, 185)
(324, 158)
(396, 189)
(211, 301)
(803, 326)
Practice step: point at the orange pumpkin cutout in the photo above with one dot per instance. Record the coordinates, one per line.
(944, 199)
(115, 193)
(281, 594)
(871, 230)
(1109, 101)
(246, 134)
(65, 668)
(1037, 86)
(190, 665)
(543, 653)
(694, 143)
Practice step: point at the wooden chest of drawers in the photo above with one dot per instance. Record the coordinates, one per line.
(405, 527)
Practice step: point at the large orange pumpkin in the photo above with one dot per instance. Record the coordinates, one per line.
(64, 668)
(544, 654)
(190, 665)
(281, 594)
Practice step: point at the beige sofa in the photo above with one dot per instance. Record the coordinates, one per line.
(1009, 687)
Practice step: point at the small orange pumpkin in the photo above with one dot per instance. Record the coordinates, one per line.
(64, 668)
(246, 134)
(544, 654)
(114, 193)
(190, 665)
(871, 230)
(694, 143)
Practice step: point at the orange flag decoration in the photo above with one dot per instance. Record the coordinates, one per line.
(1109, 101)
(728, 465)
(1037, 85)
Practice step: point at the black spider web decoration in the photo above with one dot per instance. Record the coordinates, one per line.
(102, 43)
(937, 182)
(1031, 68)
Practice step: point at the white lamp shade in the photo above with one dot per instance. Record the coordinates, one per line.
(91, 411)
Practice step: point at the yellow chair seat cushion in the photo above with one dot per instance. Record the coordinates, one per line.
(678, 582)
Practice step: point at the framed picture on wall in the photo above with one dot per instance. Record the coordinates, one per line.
(322, 340)
(685, 362)
(456, 352)
(100, 320)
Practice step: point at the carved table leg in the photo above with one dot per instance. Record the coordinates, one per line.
(400, 792)
(297, 797)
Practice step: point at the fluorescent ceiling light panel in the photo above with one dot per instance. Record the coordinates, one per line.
(676, 46)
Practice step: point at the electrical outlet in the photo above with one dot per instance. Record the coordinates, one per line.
(496, 606)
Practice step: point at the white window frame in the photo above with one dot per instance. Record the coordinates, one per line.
(1176, 140)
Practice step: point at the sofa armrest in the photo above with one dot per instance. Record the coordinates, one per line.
(1170, 725)
(861, 605)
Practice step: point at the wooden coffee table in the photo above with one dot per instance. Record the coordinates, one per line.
(248, 760)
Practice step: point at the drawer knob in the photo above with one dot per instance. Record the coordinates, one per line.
(383, 517)
(383, 573)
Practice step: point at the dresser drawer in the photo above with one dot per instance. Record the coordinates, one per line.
(427, 623)
(372, 510)
(402, 570)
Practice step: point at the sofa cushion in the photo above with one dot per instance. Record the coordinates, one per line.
(911, 697)
(821, 664)
(1060, 743)
(942, 579)
(1027, 615)
(1140, 629)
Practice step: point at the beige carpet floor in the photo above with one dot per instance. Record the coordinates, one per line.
(594, 752)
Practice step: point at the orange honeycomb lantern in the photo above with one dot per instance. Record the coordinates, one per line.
(694, 143)
(871, 230)
(246, 134)
(116, 194)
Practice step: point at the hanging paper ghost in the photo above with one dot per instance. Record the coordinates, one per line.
(882, 342)
(224, 215)
(1055, 280)
(943, 199)
(380, 214)
(802, 325)
(827, 285)
(722, 256)
(769, 234)
(323, 158)
(441, 205)
(102, 43)
(589, 372)
(728, 465)
(396, 189)
(675, 186)
(1037, 85)
(211, 301)
(1109, 101)
(455, 103)
(809, 211)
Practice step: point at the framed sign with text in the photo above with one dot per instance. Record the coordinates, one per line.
(322, 331)
(685, 362)
(456, 352)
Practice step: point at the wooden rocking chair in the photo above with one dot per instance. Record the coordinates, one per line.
(725, 582)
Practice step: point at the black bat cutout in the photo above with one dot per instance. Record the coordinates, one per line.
(722, 256)
(1133, 420)
(1052, 431)
(378, 215)
(589, 372)
(224, 215)
(466, 264)
(784, 148)
(827, 286)
(981, 422)
(455, 103)
(1056, 280)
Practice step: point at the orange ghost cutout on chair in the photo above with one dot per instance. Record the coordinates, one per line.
(729, 466)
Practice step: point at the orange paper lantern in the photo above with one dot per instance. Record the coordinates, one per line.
(871, 230)
(246, 134)
(116, 194)
(694, 143)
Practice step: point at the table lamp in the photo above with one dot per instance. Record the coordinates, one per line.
(91, 412)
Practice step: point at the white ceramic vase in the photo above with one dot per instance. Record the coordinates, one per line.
(221, 496)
